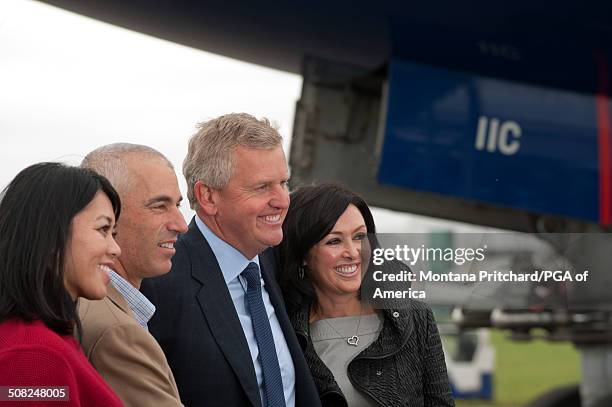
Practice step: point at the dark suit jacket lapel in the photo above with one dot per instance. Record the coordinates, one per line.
(267, 262)
(220, 313)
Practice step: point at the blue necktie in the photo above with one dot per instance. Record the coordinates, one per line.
(272, 380)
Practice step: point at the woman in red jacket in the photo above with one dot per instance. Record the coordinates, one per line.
(56, 244)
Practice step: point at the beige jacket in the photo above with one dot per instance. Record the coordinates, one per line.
(126, 355)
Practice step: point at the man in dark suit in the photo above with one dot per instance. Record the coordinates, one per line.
(220, 318)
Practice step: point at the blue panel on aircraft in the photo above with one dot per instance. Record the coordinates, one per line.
(493, 141)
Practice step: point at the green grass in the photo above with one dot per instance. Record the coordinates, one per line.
(524, 370)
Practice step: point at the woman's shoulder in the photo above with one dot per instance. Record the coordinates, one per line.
(411, 317)
(36, 354)
(409, 309)
(35, 335)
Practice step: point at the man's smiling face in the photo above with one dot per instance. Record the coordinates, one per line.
(252, 206)
(150, 219)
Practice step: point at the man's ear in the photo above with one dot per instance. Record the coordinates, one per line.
(204, 195)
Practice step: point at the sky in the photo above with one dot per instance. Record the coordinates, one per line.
(69, 84)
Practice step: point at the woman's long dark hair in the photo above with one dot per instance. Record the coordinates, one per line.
(36, 212)
(312, 214)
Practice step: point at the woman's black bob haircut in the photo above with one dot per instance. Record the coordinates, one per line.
(312, 214)
(36, 212)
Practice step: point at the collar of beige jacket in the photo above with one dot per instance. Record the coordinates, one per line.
(116, 298)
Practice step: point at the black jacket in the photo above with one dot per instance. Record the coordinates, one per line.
(197, 326)
(404, 366)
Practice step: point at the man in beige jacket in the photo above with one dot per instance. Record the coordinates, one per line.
(116, 339)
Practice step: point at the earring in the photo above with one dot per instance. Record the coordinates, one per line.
(301, 272)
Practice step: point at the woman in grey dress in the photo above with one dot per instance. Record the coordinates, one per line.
(358, 355)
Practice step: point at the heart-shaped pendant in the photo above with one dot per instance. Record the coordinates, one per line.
(353, 340)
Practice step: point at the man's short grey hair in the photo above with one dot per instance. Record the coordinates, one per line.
(110, 161)
(210, 153)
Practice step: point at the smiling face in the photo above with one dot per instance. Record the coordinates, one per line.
(150, 219)
(334, 263)
(248, 212)
(90, 250)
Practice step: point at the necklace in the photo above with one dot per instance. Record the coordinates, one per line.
(351, 340)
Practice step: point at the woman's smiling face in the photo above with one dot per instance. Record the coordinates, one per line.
(335, 263)
(91, 250)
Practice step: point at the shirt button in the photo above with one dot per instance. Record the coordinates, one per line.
(379, 373)
(396, 314)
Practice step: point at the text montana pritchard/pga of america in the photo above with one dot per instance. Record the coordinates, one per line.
(482, 276)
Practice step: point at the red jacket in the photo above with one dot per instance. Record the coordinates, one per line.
(33, 355)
